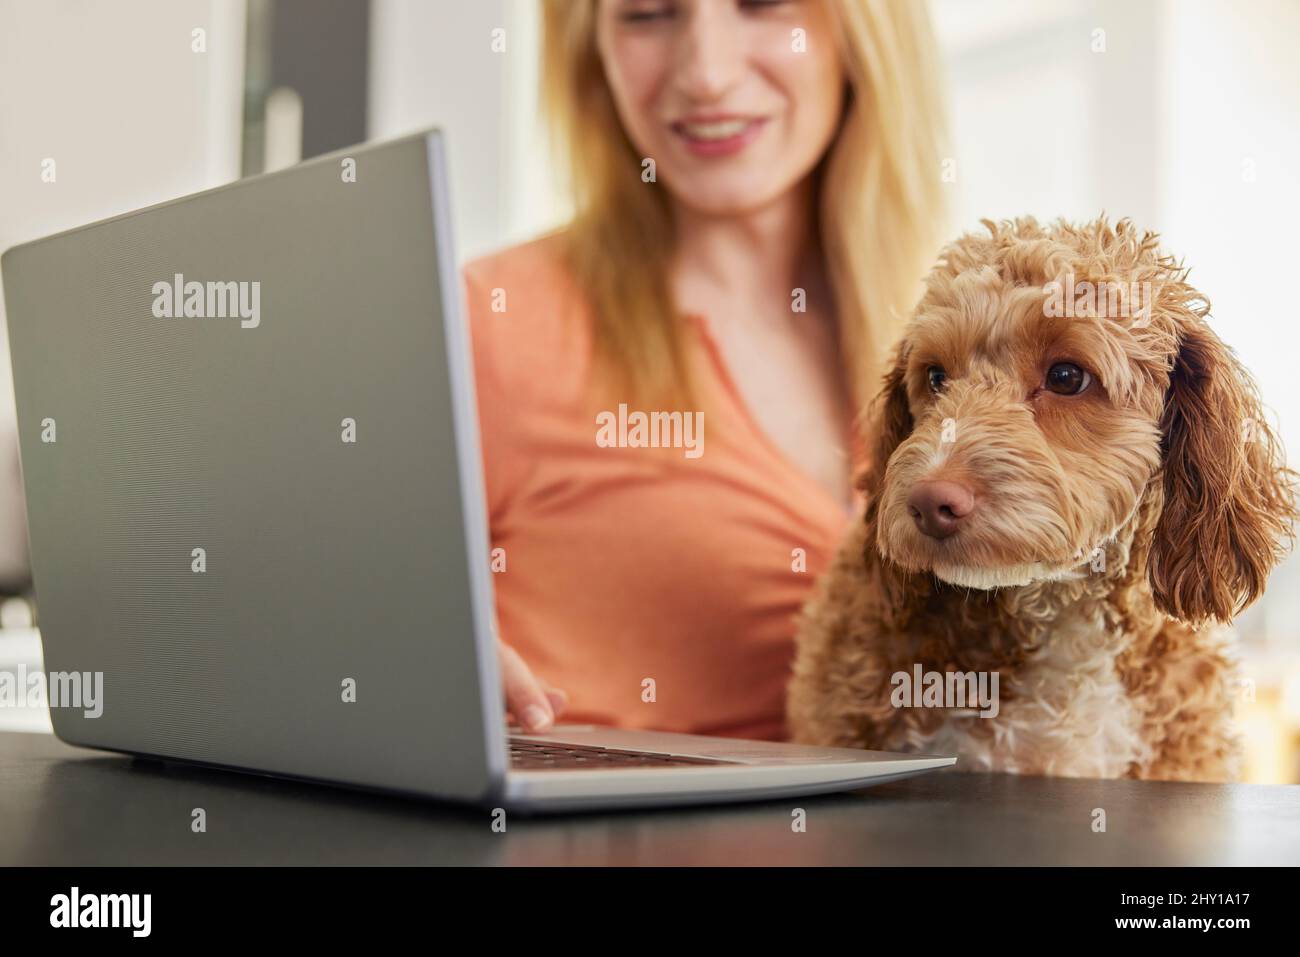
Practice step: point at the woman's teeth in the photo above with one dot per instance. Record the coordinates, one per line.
(721, 130)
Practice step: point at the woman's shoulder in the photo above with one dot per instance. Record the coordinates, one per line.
(526, 313)
(529, 276)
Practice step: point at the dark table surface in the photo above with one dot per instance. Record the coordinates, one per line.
(68, 806)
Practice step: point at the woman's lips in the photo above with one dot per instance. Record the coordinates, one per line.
(718, 136)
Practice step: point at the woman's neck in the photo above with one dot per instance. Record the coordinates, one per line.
(758, 256)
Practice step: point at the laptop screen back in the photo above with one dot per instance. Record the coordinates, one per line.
(252, 475)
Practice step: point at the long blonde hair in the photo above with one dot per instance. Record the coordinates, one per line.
(880, 204)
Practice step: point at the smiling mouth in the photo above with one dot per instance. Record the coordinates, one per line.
(718, 135)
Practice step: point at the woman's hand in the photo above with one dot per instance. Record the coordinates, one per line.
(530, 702)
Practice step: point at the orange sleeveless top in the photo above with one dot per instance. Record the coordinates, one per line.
(658, 588)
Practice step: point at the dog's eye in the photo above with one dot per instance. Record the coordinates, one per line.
(936, 377)
(1066, 378)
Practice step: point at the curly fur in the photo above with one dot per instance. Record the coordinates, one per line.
(1164, 468)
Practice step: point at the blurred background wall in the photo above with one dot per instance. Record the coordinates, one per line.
(1178, 113)
(435, 63)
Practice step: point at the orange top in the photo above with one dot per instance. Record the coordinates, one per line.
(622, 564)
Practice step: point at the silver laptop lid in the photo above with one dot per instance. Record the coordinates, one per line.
(254, 490)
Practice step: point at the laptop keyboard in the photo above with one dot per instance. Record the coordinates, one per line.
(528, 755)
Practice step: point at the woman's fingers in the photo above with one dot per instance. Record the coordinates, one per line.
(559, 701)
(526, 698)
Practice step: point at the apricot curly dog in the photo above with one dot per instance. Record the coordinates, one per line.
(1073, 488)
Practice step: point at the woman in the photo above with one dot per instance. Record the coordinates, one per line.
(757, 194)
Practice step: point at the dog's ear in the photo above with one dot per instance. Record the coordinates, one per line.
(1228, 499)
(888, 424)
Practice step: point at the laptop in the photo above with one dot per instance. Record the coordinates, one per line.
(256, 509)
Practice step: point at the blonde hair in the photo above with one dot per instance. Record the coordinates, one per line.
(879, 206)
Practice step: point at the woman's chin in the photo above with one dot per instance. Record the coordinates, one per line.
(727, 193)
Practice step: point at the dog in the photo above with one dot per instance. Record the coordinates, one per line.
(1072, 489)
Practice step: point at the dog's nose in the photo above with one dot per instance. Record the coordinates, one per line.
(938, 507)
